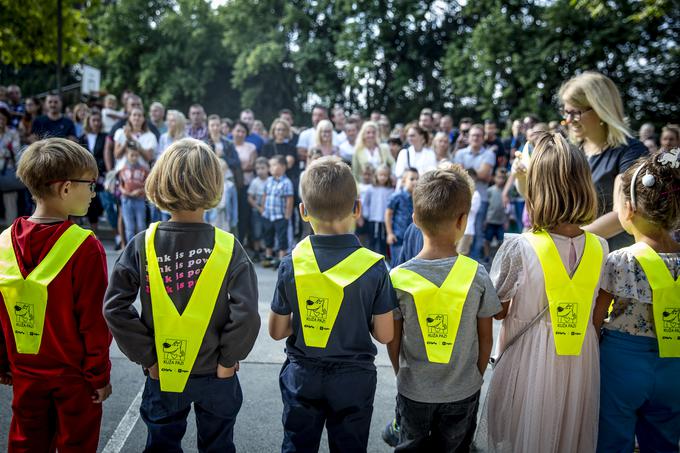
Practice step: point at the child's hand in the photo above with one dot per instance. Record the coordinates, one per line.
(391, 239)
(224, 372)
(6, 378)
(153, 371)
(518, 167)
(360, 222)
(101, 394)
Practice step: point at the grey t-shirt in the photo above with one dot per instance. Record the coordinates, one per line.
(428, 382)
(496, 213)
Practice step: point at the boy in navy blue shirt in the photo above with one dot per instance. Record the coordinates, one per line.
(399, 213)
(338, 294)
(276, 210)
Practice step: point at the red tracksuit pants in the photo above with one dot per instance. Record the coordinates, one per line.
(54, 413)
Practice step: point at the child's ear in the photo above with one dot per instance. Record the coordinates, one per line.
(356, 212)
(303, 212)
(627, 210)
(461, 223)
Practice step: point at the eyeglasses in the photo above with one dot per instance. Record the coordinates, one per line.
(573, 115)
(91, 182)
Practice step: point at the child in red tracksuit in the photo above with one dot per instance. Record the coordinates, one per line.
(54, 342)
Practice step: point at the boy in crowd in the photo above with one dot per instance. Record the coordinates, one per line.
(203, 290)
(256, 191)
(277, 209)
(54, 347)
(443, 328)
(133, 199)
(496, 216)
(338, 294)
(399, 213)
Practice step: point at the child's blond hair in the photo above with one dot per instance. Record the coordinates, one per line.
(560, 186)
(54, 160)
(328, 189)
(186, 177)
(441, 196)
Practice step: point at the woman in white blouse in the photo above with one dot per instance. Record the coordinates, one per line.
(418, 155)
(136, 130)
(369, 151)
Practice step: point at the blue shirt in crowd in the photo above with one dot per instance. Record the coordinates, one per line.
(44, 127)
(401, 205)
(277, 190)
(371, 294)
(413, 244)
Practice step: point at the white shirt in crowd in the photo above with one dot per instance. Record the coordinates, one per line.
(307, 137)
(423, 161)
(146, 140)
(107, 121)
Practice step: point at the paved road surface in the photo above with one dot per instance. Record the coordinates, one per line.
(258, 426)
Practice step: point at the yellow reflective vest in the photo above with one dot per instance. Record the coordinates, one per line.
(26, 299)
(320, 294)
(665, 299)
(439, 309)
(178, 338)
(570, 299)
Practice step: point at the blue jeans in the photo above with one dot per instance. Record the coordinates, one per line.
(638, 395)
(110, 209)
(519, 210)
(478, 242)
(337, 395)
(216, 403)
(134, 216)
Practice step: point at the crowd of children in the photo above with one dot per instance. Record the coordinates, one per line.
(553, 389)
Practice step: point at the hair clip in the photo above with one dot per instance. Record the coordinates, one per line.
(671, 158)
(648, 180)
(632, 185)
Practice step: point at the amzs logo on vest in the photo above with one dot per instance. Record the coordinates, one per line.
(437, 325)
(671, 320)
(24, 315)
(567, 315)
(174, 351)
(317, 309)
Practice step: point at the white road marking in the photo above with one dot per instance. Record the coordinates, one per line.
(124, 428)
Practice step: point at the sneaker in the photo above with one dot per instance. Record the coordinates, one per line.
(268, 261)
(275, 263)
(391, 433)
(256, 257)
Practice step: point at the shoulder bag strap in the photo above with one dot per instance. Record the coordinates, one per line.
(494, 360)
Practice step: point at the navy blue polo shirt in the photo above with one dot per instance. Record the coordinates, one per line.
(44, 127)
(371, 294)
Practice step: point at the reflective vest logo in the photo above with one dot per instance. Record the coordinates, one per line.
(317, 309)
(174, 351)
(437, 326)
(26, 298)
(320, 294)
(567, 315)
(439, 309)
(570, 299)
(178, 338)
(24, 315)
(671, 320)
(665, 299)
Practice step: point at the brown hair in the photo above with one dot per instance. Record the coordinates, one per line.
(53, 159)
(660, 203)
(186, 177)
(328, 189)
(559, 184)
(441, 196)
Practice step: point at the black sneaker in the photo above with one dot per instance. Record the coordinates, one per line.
(275, 263)
(256, 257)
(391, 433)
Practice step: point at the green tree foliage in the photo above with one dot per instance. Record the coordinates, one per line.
(28, 32)
(518, 53)
(485, 58)
(165, 50)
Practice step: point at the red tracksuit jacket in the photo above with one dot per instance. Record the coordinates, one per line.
(75, 339)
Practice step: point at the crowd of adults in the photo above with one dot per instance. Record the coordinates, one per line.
(592, 115)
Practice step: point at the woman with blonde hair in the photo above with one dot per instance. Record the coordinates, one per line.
(80, 114)
(323, 139)
(177, 124)
(593, 110)
(369, 150)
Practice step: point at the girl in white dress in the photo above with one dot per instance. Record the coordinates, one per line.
(540, 401)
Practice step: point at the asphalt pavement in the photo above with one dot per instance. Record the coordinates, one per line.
(258, 426)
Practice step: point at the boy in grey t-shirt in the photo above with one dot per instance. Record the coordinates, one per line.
(438, 398)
